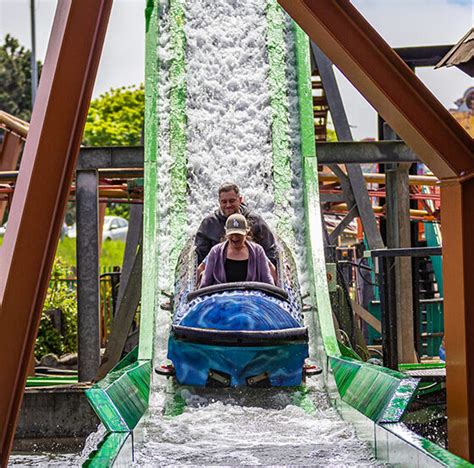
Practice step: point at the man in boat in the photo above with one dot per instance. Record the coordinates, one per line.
(212, 228)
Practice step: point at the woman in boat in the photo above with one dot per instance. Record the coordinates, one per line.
(237, 258)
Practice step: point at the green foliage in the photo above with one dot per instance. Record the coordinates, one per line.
(331, 134)
(60, 296)
(118, 209)
(15, 78)
(116, 118)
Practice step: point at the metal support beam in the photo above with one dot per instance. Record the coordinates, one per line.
(87, 254)
(423, 56)
(342, 225)
(134, 239)
(382, 77)
(123, 318)
(343, 131)
(365, 152)
(110, 157)
(405, 103)
(388, 307)
(399, 236)
(38, 206)
(458, 282)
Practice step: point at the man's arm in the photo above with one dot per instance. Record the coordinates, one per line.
(264, 236)
(202, 242)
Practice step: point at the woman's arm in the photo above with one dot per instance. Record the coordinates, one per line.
(208, 275)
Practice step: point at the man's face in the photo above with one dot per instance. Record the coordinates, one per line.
(229, 203)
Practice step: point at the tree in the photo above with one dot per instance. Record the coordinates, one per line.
(116, 118)
(15, 78)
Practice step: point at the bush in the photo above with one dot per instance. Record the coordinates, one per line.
(60, 296)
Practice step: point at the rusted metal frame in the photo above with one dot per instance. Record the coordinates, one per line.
(372, 66)
(9, 154)
(343, 131)
(339, 229)
(39, 203)
(442, 144)
(9, 122)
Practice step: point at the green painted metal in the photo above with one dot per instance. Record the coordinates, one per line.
(315, 256)
(108, 450)
(177, 141)
(380, 394)
(314, 237)
(150, 221)
(53, 380)
(305, 98)
(281, 150)
(422, 365)
(121, 398)
(434, 239)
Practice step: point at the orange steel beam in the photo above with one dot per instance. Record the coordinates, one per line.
(39, 202)
(9, 154)
(431, 131)
(14, 124)
(372, 178)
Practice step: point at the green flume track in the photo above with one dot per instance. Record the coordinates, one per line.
(372, 397)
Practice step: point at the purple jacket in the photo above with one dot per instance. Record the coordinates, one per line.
(257, 270)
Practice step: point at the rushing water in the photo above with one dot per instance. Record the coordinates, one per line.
(251, 427)
(229, 139)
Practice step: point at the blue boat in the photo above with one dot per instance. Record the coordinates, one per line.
(238, 334)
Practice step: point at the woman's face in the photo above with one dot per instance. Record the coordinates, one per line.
(236, 240)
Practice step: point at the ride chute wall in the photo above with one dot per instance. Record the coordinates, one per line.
(364, 392)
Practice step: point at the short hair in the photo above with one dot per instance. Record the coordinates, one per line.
(228, 187)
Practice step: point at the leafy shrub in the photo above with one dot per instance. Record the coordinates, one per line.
(60, 296)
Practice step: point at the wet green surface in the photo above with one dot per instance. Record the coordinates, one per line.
(281, 150)
(107, 451)
(380, 394)
(177, 142)
(150, 221)
(121, 398)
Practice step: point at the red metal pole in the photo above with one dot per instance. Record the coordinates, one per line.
(41, 192)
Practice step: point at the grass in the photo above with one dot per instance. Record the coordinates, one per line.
(111, 255)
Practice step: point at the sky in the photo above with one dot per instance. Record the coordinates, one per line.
(401, 23)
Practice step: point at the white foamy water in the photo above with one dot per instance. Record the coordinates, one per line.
(59, 459)
(228, 107)
(264, 427)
